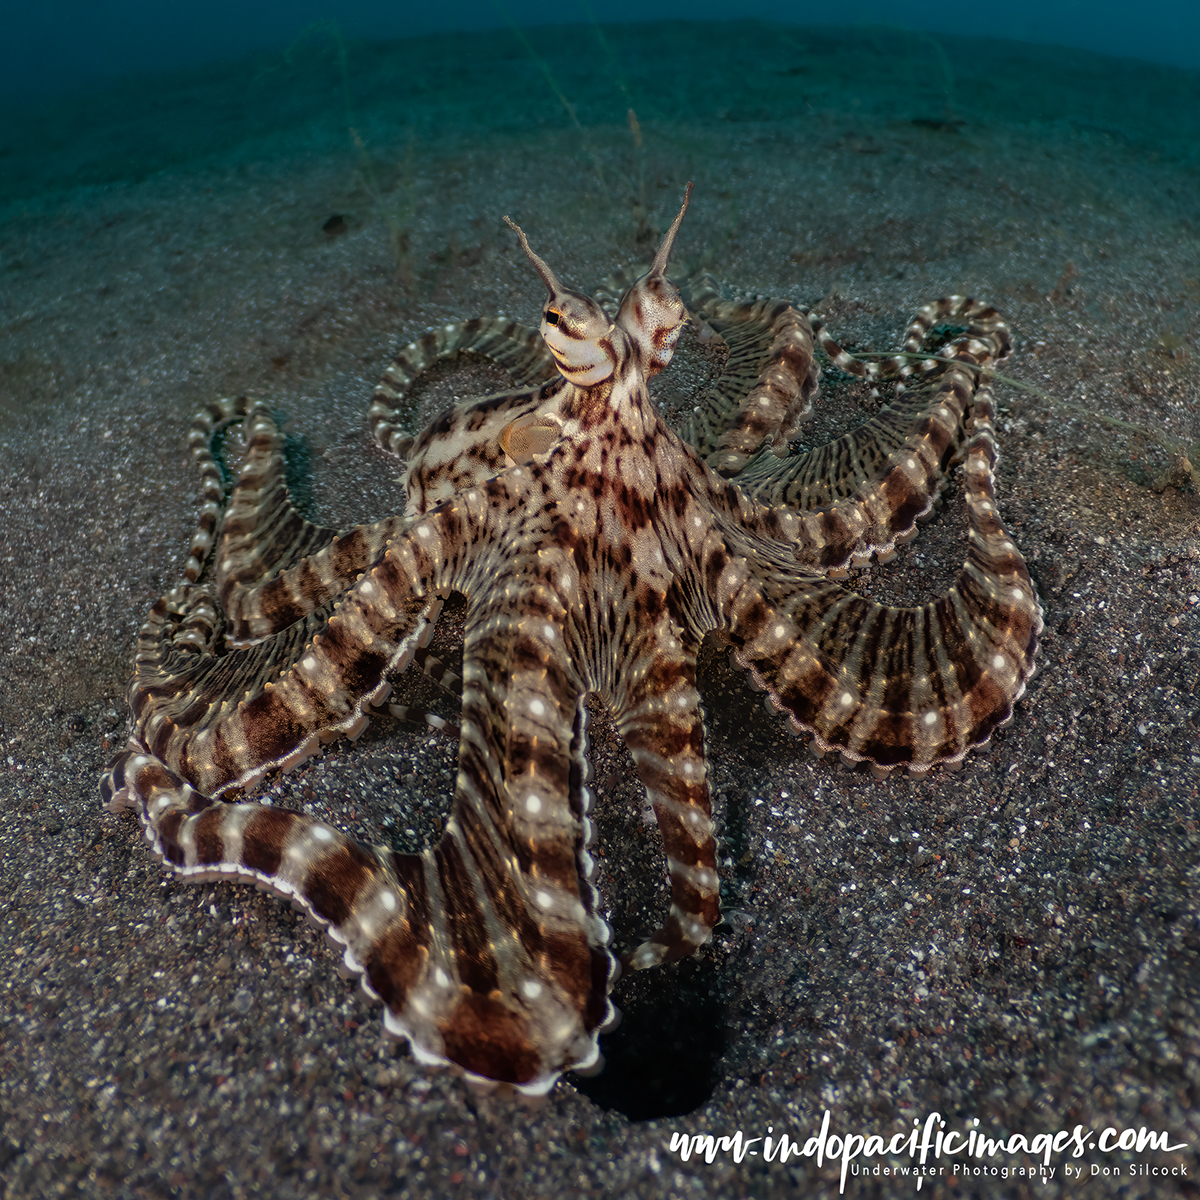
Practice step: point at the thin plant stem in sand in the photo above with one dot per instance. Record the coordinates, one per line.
(544, 67)
(396, 217)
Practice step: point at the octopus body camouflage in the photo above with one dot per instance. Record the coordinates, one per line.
(596, 548)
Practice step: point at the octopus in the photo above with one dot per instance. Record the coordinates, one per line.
(597, 548)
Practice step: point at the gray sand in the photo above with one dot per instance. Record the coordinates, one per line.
(1016, 942)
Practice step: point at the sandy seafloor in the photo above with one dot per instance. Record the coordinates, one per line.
(1017, 942)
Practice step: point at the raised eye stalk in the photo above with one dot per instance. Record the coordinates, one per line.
(539, 264)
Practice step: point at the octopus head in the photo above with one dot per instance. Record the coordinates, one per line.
(589, 347)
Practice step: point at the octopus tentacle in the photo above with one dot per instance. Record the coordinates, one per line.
(769, 382)
(183, 621)
(260, 609)
(518, 348)
(980, 320)
(835, 471)
(899, 686)
(658, 713)
(312, 677)
(206, 424)
(263, 535)
(901, 487)
(476, 967)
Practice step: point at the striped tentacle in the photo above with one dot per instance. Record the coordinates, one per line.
(207, 423)
(769, 381)
(518, 348)
(182, 622)
(981, 322)
(657, 709)
(222, 721)
(473, 967)
(190, 709)
(821, 477)
(260, 607)
(899, 686)
(877, 486)
(517, 839)
(261, 532)
(443, 679)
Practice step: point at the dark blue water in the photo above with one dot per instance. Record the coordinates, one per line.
(60, 45)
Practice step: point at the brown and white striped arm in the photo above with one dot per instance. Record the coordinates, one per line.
(518, 348)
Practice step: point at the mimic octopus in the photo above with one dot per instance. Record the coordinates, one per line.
(596, 548)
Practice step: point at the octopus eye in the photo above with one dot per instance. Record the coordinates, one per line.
(551, 317)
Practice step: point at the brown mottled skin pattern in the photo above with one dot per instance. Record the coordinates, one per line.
(596, 549)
